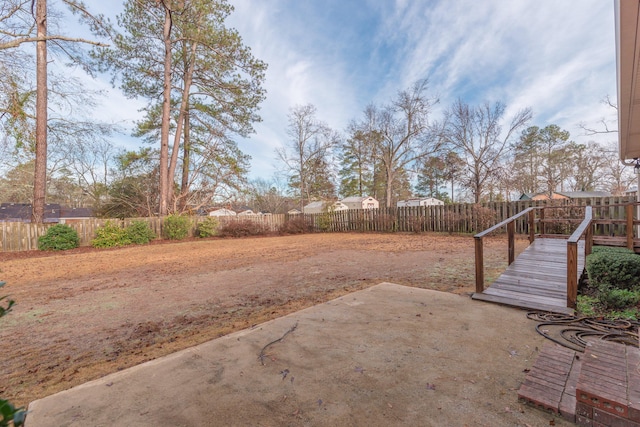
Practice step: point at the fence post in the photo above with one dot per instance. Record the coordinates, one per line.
(479, 266)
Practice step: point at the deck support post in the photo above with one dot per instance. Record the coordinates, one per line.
(588, 241)
(572, 274)
(511, 230)
(479, 265)
(542, 228)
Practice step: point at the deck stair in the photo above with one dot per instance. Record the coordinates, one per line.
(600, 387)
(537, 279)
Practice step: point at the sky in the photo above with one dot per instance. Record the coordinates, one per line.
(557, 57)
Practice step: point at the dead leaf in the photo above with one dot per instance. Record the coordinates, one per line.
(431, 386)
(389, 405)
(552, 422)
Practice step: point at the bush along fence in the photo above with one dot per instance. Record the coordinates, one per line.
(454, 218)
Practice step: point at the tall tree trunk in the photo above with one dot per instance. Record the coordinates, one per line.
(452, 201)
(301, 177)
(184, 104)
(166, 115)
(186, 159)
(388, 186)
(40, 173)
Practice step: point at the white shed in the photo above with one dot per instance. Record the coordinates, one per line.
(248, 212)
(423, 201)
(222, 212)
(323, 206)
(357, 202)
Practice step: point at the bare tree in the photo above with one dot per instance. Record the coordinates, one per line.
(311, 143)
(405, 134)
(617, 176)
(268, 196)
(476, 134)
(604, 125)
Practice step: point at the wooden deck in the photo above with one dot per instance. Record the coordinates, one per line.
(537, 279)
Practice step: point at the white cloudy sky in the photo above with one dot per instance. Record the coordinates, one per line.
(555, 56)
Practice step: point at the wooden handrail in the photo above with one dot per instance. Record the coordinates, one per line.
(510, 224)
(503, 223)
(584, 229)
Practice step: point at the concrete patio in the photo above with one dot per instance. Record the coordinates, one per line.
(387, 355)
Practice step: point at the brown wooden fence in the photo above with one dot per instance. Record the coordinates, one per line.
(20, 236)
(454, 218)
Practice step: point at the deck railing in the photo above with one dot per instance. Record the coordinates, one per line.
(585, 229)
(554, 215)
(510, 224)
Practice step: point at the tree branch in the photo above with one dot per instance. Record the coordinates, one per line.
(20, 41)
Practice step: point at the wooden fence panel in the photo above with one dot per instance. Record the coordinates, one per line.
(453, 218)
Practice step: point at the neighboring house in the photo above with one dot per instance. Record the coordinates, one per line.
(357, 202)
(248, 212)
(564, 195)
(423, 201)
(323, 206)
(21, 212)
(294, 212)
(222, 212)
(69, 215)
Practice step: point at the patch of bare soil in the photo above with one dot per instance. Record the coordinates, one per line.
(84, 313)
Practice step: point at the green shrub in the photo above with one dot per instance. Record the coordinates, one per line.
(208, 227)
(140, 233)
(59, 237)
(619, 298)
(613, 269)
(242, 228)
(610, 250)
(110, 235)
(11, 416)
(324, 221)
(297, 225)
(176, 227)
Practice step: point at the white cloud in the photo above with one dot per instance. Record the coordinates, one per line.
(557, 57)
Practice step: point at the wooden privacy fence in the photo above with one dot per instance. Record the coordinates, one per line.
(454, 218)
(21, 236)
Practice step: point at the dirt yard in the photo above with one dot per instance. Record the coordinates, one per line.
(84, 313)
